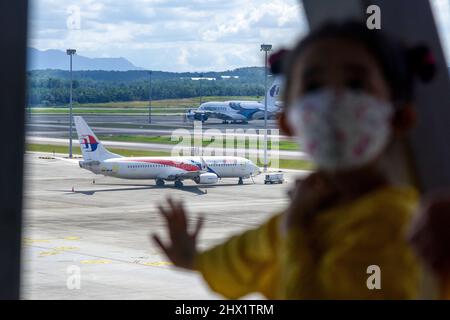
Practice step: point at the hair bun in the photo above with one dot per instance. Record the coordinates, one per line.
(277, 60)
(422, 62)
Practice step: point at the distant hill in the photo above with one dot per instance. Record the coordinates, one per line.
(56, 59)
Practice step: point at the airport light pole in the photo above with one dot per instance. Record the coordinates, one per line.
(71, 52)
(150, 98)
(29, 98)
(266, 48)
(200, 80)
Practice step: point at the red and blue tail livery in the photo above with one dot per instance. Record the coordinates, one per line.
(88, 143)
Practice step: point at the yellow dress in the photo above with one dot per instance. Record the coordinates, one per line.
(330, 260)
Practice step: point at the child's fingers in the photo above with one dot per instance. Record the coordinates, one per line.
(163, 247)
(198, 227)
(179, 206)
(163, 212)
(168, 217)
(173, 205)
(171, 226)
(181, 214)
(178, 213)
(176, 208)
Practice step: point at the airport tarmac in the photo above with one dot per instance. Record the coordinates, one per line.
(175, 150)
(99, 232)
(57, 125)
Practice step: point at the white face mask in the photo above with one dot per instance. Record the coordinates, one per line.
(341, 131)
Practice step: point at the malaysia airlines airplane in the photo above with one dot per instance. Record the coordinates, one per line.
(239, 111)
(202, 170)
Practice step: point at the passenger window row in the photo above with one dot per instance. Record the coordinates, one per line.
(146, 166)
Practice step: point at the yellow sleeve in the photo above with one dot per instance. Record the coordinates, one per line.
(243, 263)
(376, 240)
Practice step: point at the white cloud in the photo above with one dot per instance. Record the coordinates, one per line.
(176, 35)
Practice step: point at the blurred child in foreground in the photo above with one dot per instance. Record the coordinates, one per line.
(348, 94)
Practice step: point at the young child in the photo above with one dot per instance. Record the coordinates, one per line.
(348, 94)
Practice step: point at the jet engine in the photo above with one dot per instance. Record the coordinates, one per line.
(206, 178)
(200, 116)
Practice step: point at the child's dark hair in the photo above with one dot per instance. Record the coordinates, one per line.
(399, 65)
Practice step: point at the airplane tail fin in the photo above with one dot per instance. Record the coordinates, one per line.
(91, 148)
(273, 93)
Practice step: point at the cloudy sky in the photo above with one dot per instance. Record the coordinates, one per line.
(173, 35)
(177, 35)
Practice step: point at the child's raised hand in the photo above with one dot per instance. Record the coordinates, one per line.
(307, 197)
(430, 233)
(183, 244)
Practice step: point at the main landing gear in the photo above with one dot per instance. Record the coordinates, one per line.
(160, 182)
(241, 181)
(178, 184)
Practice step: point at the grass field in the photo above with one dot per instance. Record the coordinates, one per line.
(283, 145)
(168, 103)
(284, 163)
(64, 149)
(102, 111)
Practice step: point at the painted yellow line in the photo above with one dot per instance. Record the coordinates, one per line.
(96, 261)
(72, 238)
(49, 253)
(56, 250)
(66, 248)
(157, 264)
(31, 241)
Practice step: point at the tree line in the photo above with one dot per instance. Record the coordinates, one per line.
(52, 87)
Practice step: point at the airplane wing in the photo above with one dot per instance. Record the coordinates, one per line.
(218, 115)
(185, 175)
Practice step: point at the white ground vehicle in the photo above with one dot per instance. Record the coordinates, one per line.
(272, 178)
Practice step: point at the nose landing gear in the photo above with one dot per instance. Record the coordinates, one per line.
(241, 181)
(160, 182)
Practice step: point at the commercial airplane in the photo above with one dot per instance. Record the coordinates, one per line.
(239, 111)
(202, 170)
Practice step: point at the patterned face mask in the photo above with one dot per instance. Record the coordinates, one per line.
(341, 130)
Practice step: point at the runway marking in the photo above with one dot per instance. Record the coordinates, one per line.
(56, 251)
(102, 261)
(31, 241)
(157, 264)
(65, 248)
(72, 238)
(49, 253)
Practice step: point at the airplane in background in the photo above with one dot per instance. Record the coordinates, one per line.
(202, 170)
(239, 111)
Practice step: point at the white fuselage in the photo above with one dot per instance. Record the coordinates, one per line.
(202, 170)
(240, 111)
(234, 110)
(171, 168)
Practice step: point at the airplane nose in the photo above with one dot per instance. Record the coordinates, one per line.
(256, 170)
